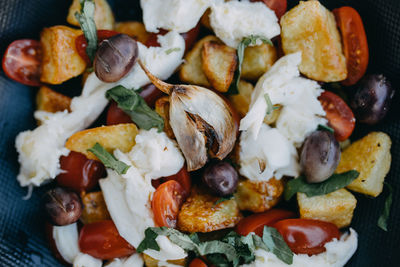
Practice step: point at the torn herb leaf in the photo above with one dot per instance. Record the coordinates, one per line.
(88, 26)
(382, 221)
(222, 199)
(149, 241)
(277, 245)
(108, 159)
(270, 106)
(322, 127)
(174, 49)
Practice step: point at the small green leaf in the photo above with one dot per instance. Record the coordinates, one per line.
(88, 26)
(175, 49)
(382, 221)
(322, 127)
(270, 106)
(108, 159)
(223, 199)
(149, 241)
(275, 243)
(333, 183)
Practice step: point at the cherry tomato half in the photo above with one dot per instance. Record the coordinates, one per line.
(81, 43)
(339, 115)
(307, 236)
(354, 41)
(279, 6)
(102, 240)
(166, 203)
(256, 222)
(150, 94)
(21, 61)
(197, 263)
(79, 172)
(115, 115)
(182, 177)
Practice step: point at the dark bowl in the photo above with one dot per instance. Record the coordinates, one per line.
(22, 238)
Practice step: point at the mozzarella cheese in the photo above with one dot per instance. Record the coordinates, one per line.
(66, 239)
(175, 15)
(85, 260)
(337, 253)
(168, 250)
(131, 261)
(233, 20)
(270, 155)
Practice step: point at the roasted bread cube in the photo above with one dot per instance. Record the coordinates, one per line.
(162, 108)
(151, 262)
(257, 60)
(371, 157)
(60, 60)
(103, 15)
(134, 29)
(200, 213)
(311, 28)
(120, 136)
(192, 69)
(51, 101)
(241, 101)
(219, 65)
(336, 207)
(94, 208)
(258, 196)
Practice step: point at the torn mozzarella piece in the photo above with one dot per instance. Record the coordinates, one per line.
(233, 20)
(168, 250)
(131, 261)
(66, 239)
(85, 260)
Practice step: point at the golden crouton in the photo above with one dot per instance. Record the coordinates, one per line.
(219, 65)
(103, 16)
(162, 108)
(257, 60)
(241, 101)
(311, 28)
(336, 207)
(134, 29)
(151, 262)
(258, 196)
(200, 213)
(120, 136)
(94, 208)
(371, 157)
(51, 101)
(192, 70)
(60, 60)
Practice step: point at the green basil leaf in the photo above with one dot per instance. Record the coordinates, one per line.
(108, 159)
(275, 243)
(382, 221)
(174, 49)
(223, 199)
(88, 26)
(333, 183)
(149, 241)
(216, 246)
(270, 106)
(135, 106)
(218, 260)
(322, 127)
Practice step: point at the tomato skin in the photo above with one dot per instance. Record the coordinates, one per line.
(102, 240)
(22, 60)
(166, 203)
(81, 43)
(279, 6)
(340, 116)
(305, 236)
(150, 94)
(256, 222)
(197, 263)
(182, 177)
(355, 45)
(81, 173)
(115, 115)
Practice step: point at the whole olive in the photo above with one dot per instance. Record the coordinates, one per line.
(320, 156)
(62, 206)
(221, 178)
(372, 99)
(115, 57)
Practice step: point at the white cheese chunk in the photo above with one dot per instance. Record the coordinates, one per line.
(85, 260)
(176, 15)
(131, 261)
(233, 20)
(66, 239)
(270, 155)
(168, 250)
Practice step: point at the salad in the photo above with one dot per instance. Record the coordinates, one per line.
(225, 140)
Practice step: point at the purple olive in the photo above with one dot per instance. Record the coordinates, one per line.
(221, 178)
(115, 57)
(320, 156)
(372, 99)
(62, 206)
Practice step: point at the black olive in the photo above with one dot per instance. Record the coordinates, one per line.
(115, 57)
(63, 207)
(320, 156)
(221, 178)
(372, 99)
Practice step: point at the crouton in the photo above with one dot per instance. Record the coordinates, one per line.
(162, 108)
(134, 29)
(151, 262)
(257, 60)
(336, 207)
(258, 196)
(371, 157)
(60, 60)
(51, 101)
(242, 100)
(103, 15)
(311, 28)
(120, 136)
(94, 208)
(200, 213)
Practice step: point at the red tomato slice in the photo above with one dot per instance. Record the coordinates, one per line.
(182, 177)
(115, 115)
(354, 41)
(197, 263)
(307, 236)
(102, 240)
(339, 115)
(150, 94)
(279, 6)
(256, 222)
(79, 172)
(166, 203)
(21, 61)
(81, 43)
